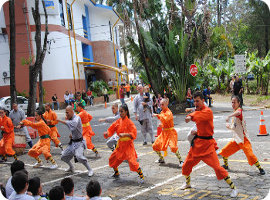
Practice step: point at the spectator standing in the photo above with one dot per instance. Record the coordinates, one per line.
(145, 118)
(122, 93)
(231, 84)
(90, 97)
(84, 96)
(55, 101)
(127, 87)
(105, 94)
(189, 98)
(110, 84)
(66, 97)
(238, 89)
(155, 104)
(17, 115)
(206, 95)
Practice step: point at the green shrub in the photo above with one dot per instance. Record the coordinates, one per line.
(111, 92)
(23, 93)
(98, 86)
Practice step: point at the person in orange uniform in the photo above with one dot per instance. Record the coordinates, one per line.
(168, 136)
(203, 144)
(7, 140)
(125, 150)
(240, 137)
(127, 87)
(44, 143)
(51, 120)
(87, 133)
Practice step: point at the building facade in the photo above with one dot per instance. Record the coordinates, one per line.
(79, 31)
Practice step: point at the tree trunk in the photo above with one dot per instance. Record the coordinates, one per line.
(40, 90)
(248, 92)
(36, 68)
(12, 68)
(266, 39)
(218, 13)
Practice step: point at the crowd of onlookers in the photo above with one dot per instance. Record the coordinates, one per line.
(236, 88)
(20, 187)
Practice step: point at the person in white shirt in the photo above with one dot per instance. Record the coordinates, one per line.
(17, 165)
(19, 182)
(35, 188)
(93, 191)
(68, 186)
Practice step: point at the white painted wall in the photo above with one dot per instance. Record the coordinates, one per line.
(4, 57)
(2, 20)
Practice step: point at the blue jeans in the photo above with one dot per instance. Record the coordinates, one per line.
(57, 105)
(122, 101)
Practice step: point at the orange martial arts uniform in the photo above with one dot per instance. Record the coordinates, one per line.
(168, 136)
(238, 143)
(8, 137)
(125, 149)
(87, 130)
(44, 143)
(203, 149)
(51, 115)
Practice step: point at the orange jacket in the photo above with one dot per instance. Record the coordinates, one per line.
(166, 118)
(125, 147)
(205, 127)
(41, 126)
(86, 118)
(51, 115)
(8, 128)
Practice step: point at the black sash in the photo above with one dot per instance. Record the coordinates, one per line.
(75, 140)
(201, 137)
(51, 126)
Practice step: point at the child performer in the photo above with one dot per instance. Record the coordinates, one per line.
(203, 145)
(7, 129)
(240, 137)
(87, 130)
(51, 120)
(168, 136)
(44, 144)
(127, 132)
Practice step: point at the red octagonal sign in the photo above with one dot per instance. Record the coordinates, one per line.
(193, 70)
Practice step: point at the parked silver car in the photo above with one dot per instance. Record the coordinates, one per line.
(21, 101)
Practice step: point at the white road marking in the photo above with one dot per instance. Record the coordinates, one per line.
(159, 184)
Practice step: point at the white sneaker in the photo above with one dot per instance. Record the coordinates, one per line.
(90, 173)
(69, 170)
(234, 193)
(185, 186)
(54, 166)
(181, 164)
(36, 165)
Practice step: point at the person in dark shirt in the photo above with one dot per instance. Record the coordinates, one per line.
(238, 89)
(54, 101)
(206, 94)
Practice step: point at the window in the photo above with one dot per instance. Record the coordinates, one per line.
(69, 17)
(62, 17)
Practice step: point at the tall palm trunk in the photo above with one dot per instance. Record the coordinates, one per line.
(12, 52)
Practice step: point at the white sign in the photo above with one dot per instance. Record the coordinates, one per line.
(240, 63)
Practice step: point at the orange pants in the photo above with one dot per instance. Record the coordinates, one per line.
(88, 140)
(165, 139)
(41, 147)
(54, 134)
(6, 146)
(210, 159)
(232, 147)
(114, 161)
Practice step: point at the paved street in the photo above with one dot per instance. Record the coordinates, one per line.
(162, 181)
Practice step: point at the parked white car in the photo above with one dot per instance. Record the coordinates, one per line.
(21, 101)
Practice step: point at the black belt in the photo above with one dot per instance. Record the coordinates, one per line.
(51, 126)
(45, 136)
(201, 137)
(75, 140)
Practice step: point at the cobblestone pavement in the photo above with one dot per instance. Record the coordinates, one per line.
(162, 181)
